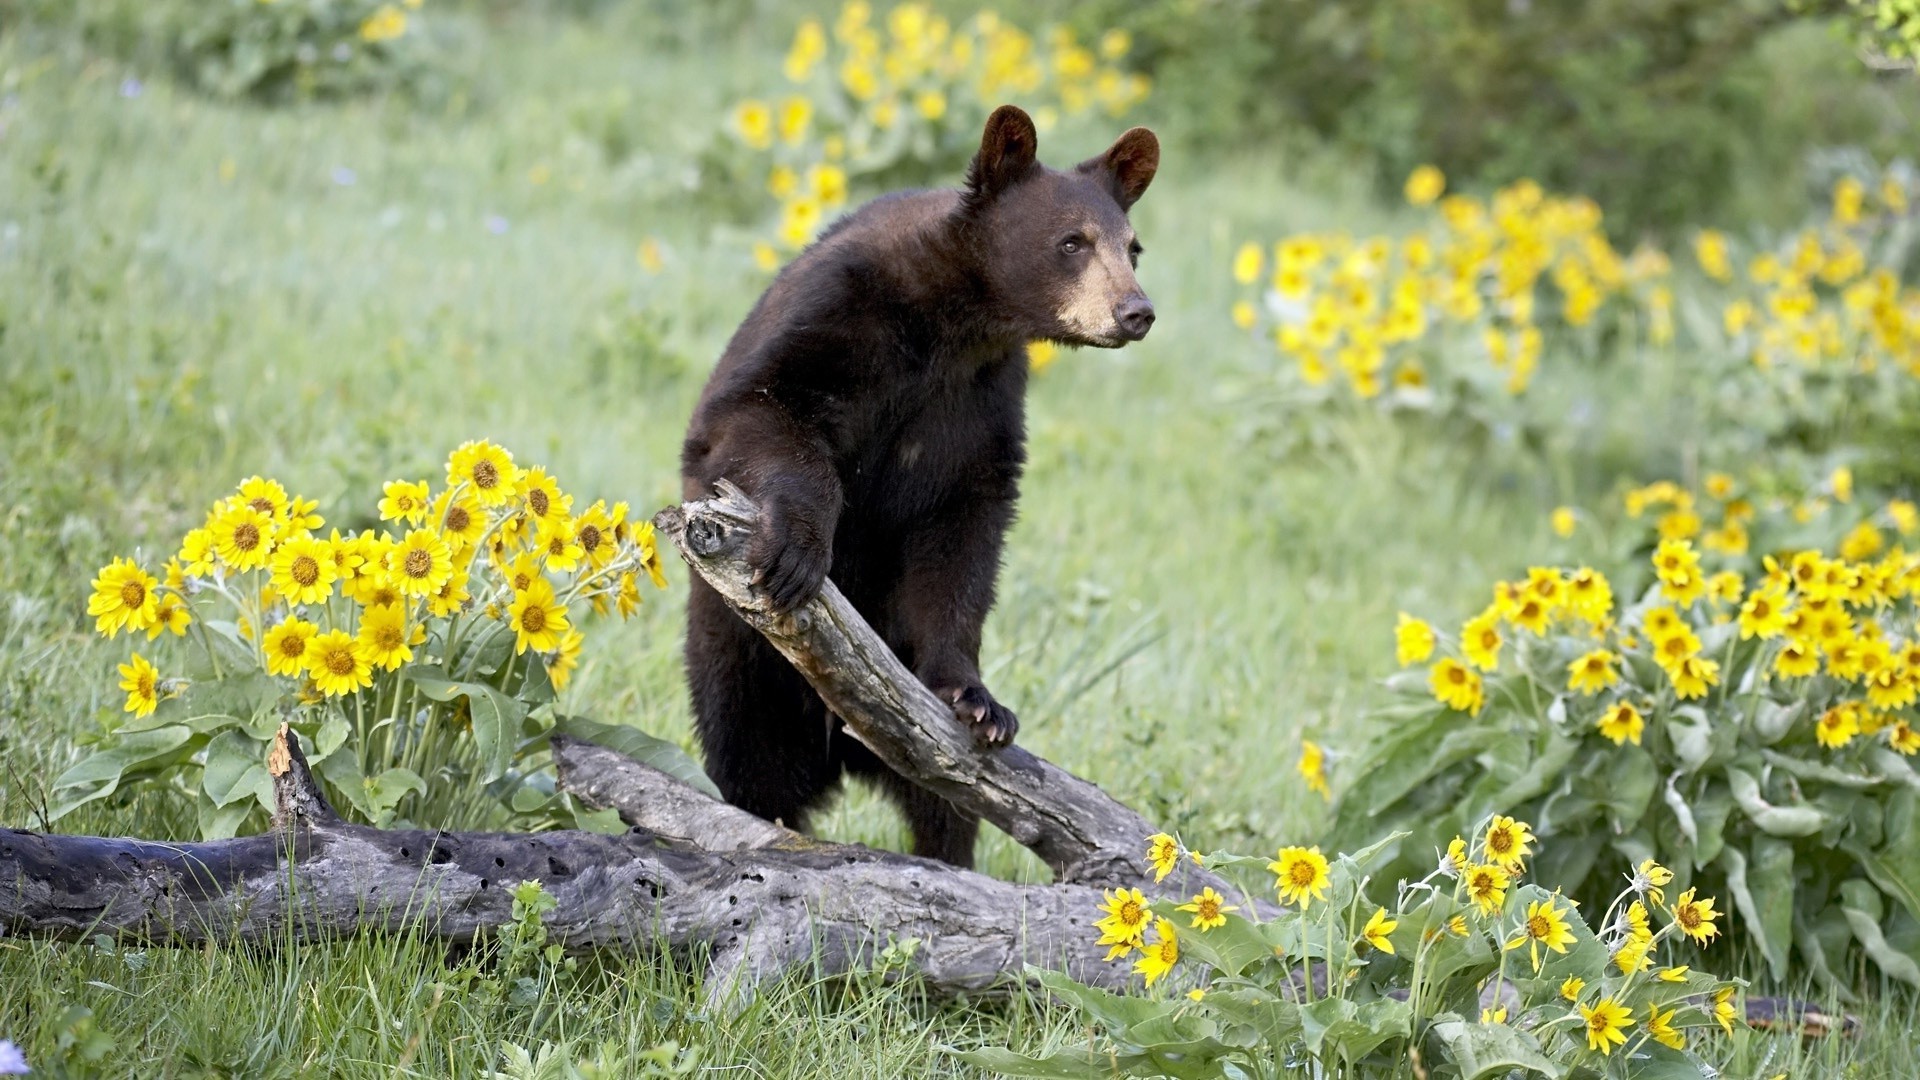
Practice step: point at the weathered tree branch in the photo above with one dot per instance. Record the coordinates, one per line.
(694, 875)
(753, 912)
(1081, 832)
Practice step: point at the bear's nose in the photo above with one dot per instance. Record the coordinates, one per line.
(1134, 315)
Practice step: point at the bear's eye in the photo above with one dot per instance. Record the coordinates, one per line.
(1133, 252)
(1072, 245)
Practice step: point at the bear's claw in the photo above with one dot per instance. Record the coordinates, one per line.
(993, 725)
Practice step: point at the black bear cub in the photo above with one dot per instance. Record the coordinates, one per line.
(873, 405)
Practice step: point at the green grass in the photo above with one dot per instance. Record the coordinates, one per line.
(1179, 603)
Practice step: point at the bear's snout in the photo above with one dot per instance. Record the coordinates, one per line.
(1134, 316)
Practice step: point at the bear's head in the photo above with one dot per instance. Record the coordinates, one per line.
(1056, 247)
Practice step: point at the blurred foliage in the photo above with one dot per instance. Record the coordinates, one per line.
(895, 97)
(1664, 111)
(262, 49)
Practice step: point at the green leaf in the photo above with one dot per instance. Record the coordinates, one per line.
(1692, 738)
(1817, 936)
(1815, 770)
(1772, 721)
(1712, 805)
(1860, 903)
(1631, 779)
(641, 747)
(1276, 1020)
(1787, 821)
(1539, 776)
(236, 767)
(1336, 1029)
(221, 822)
(132, 755)
(1479, 1051)
(496, 717)
(604, 821)
(1763, 892)
(343, 772)
(1896, 866)
(1229, 949)
(385, 791)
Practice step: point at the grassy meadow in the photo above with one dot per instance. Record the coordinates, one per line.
(333, 295)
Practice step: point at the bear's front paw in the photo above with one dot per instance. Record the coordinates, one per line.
(993, 725)
(787, 570)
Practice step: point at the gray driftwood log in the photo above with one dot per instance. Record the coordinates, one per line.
(751, 913)
(694, 875)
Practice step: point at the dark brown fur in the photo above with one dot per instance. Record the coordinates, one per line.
(873, 404)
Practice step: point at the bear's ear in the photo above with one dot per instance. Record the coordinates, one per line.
(1007, 150)
(1128, 165)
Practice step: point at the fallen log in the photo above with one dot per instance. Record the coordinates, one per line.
(694, 875)
(751, 913)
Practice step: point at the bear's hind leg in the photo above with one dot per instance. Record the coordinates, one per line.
(764, 732)
(940, 831)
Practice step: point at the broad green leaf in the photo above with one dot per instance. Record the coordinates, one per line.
(1763, 893)
(605, 821)
(1276, 1020)
(1816, 936)
(1335, 1028)
(1815, 770)
(1482, 1051)
(342, 770)
(1631, 780)
(1860, 903)
(221, 822)
(236, 767)
(496, 717)
(1896, 866)
(1229, 949)
(1787, 821)
(137, 754)
(1712, 805)
(1682, 813)
(639, 746)
(331, 736)
(1772, 721)
(1692, 738)
(385, 791)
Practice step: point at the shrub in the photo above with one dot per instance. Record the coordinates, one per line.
(1800, 342)
(1748, 719)
(417, 670)
(1467, 971)
(1454, 316)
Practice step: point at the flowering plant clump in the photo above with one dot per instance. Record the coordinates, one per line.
(424, 656)
(1747, 718)
(904, 96)
(1469, 970)
(1459, 308)
(1817, 326)
(314, 48)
